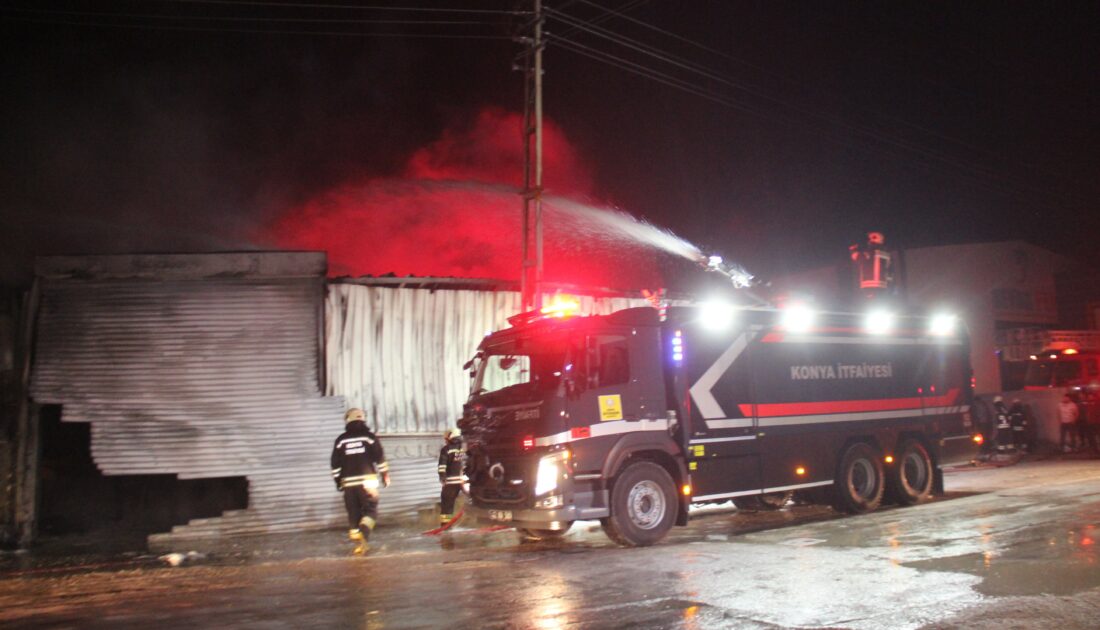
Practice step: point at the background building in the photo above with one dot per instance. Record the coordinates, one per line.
(992, 287)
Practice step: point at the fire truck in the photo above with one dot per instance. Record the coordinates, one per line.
(1066, 367)
(630, 418)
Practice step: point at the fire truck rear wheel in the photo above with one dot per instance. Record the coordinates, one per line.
(910, 479)
(643, 505)
(859, 480)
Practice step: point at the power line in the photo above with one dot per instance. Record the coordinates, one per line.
(983, 177)
(975, 170)
(606, 15)
(729, 57)
(649, 73)
(210, 18)
(632, 44)
(666, 33)
(355, 7)
(651, 51)
(196, 29)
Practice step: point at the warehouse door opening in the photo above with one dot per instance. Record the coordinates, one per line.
(76, 498)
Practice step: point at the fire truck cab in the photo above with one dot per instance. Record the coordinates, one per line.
(1065, 367)
(629, 418)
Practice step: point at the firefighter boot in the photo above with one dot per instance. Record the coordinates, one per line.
(366, 525)
(445, 519)
(354, 535)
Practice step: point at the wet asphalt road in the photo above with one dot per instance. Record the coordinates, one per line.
(1007, 547)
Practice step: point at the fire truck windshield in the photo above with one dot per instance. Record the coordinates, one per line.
(523, 364)
(1053, 373)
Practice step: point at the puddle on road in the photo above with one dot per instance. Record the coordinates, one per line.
(1052, 560)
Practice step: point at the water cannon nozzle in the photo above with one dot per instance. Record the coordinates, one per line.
(741, 279)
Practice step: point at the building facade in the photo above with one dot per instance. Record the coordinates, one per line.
(200, 394)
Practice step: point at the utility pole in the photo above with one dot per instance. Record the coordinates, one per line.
(531, 278)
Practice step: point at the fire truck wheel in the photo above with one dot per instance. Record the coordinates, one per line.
(764, 502)
(544, 534)
(643, 505)
(859, 481)
(910, 479)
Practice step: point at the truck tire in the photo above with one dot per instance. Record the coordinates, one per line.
(764, 502)
(859, 486)
(910, 479)
(544, 534)
(643, 505)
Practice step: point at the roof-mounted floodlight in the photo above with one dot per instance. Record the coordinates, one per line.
(942, 325)
(879, 322)
(797, 318)
(716, 315)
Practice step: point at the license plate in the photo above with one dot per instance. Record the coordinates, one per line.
(500, 515)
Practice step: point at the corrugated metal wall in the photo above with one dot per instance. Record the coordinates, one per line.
(200, 377)
(398, 353)
(183, 370)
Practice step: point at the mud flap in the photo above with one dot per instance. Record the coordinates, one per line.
(937, 481)
(682, 515)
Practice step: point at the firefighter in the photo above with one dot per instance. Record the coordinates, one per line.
(1004, 426)
(450, 474)
(1092, 425)
(1067, 415)
(1017, 415)
(357, 464)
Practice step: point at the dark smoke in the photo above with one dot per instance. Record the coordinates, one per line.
(456, 212)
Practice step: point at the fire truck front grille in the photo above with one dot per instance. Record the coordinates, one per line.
(500, 494)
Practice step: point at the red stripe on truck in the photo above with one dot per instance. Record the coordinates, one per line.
(768, 410)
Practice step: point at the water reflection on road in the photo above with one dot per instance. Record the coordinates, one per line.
(801, 567)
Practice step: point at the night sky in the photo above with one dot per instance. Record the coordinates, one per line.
(178, 126)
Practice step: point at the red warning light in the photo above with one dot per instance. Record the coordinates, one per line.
(528, 442)
(561, 306)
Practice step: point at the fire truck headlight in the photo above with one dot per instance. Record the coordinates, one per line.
(797, 318)
(942, 325)
(550, 470)
(716, 315)
(555, 501)
(879, 322)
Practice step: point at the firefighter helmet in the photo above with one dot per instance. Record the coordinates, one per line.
(450, 434)
(355, 414)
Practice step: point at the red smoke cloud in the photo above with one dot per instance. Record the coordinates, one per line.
(456, 212)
